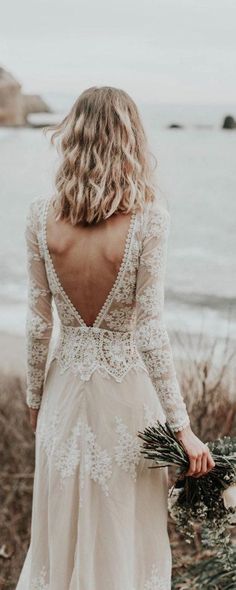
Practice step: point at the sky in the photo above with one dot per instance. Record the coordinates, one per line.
(157, 50)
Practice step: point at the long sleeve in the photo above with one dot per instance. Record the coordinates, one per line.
(151, 334)
(39, 320)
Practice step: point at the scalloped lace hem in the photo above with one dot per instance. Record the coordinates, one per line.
(84, 350)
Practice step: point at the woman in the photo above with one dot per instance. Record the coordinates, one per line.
(98, 249)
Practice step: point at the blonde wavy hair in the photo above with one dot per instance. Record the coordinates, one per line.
(105, 166)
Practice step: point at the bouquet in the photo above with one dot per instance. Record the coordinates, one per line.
(208, 500)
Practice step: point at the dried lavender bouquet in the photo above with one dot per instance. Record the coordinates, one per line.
(208, 500)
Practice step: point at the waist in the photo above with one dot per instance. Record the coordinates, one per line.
(84, 349)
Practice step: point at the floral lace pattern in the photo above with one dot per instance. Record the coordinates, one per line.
(150, 417)
(156, 581)
(39, 313)
(84, 350)
(39, 583)
(135, 304)
(47, 430)
(81, 448)
(98, 463)
(68, 453)
(95, 461)
(127, 451)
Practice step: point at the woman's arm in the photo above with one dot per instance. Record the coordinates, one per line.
(153, 341)
(152, 336)
(39, 321)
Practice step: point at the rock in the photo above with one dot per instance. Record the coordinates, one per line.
(229, 122)
(15, 106)
(175, 126)
(38, 120)
(34, 103)
(11, 103)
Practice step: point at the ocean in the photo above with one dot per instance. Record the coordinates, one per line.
(196, 174)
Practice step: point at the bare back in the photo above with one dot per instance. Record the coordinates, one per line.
(87, 259)
(107, 283)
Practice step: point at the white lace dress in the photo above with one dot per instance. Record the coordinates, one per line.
(99, 514)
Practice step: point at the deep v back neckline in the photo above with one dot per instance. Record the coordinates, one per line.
(108, 300)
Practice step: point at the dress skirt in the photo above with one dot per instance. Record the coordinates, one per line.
(99, 513)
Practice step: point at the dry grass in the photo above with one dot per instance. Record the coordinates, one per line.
(207, 374)
(207, 386)
(17, 467)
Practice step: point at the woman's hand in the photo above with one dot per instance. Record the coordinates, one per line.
(33, 415)
(199, 455)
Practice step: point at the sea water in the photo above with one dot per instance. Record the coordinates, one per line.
(195, 175)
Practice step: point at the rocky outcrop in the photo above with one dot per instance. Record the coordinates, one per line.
(15, 106)
(229, 122)
(34, 103)
(175, 126)
(11, 103)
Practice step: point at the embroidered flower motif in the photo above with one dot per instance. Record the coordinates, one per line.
(65, 313)
(151, 338)
(47, 430)
(36, 325)
(34, 292)
(154, 263)
(98, 463)
(68, 453)
(126, 290)
(149, 301)
(127, 451)
(118, 318)
(156, 580)
(39, 583)
(36, 354)
(36, 377)
(33, 399)
(84, 351)
(150, 417)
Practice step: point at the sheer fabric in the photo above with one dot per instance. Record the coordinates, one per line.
(99, 514)
(129, 329)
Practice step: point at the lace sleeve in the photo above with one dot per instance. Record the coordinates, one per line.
(151, 334)
(39, 321)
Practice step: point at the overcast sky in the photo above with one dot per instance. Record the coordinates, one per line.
(158, 50)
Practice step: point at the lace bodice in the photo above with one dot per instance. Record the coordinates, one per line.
(129, 330)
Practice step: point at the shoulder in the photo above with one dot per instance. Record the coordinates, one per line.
(34, 212)
(156, 221)
(37, 204)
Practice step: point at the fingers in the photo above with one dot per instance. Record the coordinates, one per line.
(200, 463)
(210, 462)
(192, 464)
(200, 459)
(205, 463)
